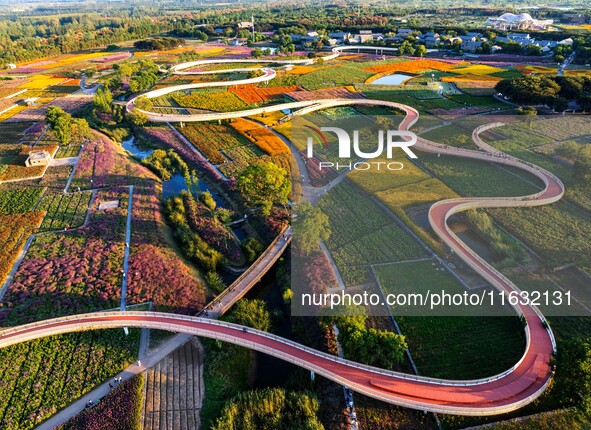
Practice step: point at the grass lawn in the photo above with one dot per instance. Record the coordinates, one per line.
(330, 76)
(558, 232)
(363, 234)
(456, 347)
(475, 178)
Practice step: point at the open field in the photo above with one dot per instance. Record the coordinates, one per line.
(174, 390)
(330, 76)
(64, 211)
(215, 100)
(362, 234)
(475, 178)
(483, 346)
(17, 201)
(65, 366)
(558, 232)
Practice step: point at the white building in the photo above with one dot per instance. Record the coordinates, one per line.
(523, 21)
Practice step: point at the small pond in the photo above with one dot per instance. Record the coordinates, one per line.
(136, 149)
(177, 183)
(394, 79)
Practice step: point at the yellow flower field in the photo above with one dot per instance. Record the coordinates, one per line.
(38, 82)
(302, 70)
(12, 112)
(540, 70)
(477, 69)
(476, 81)
(63, 60)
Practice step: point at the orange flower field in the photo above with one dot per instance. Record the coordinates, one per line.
(413, 66)
(252, 94)
(260, 136)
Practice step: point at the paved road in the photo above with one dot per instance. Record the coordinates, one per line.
(67, 161)
(126, 251)
(495, 395)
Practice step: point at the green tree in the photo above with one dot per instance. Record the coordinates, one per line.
(80, 130)
(143, 103)
(207, 199)
(102, 100)
(252, 249)
(137, 118)
(263, 184)
(251, 313)
(573, 374)
(61, 129)
(215, 282)
(257, 53)
(421, 51)
(312, 227)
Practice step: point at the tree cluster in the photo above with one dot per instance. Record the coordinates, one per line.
(159, 44)
(65, 128)
(554, 91)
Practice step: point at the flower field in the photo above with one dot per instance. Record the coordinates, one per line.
(120, 409)
(214, 100)
(347, 92)
(210, 139)
(252, 94)
(39, 82)
(232, 147)
(14, 230)
(72, 272)
(55, 178)
(19, 200)
(64, 211)
(477, 69)
(42, 376)
(414, 66)
(168, 138)
(318, 177)
(106, 164)
(302, 70)
(260, 136)
(362, 234)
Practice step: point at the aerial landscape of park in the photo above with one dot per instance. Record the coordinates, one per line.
(295, 214)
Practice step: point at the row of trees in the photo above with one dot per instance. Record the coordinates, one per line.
(36, 37)
(159, 43)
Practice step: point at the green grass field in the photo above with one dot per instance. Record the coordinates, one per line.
(475, 178)
(482, 345)
(363, 234)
